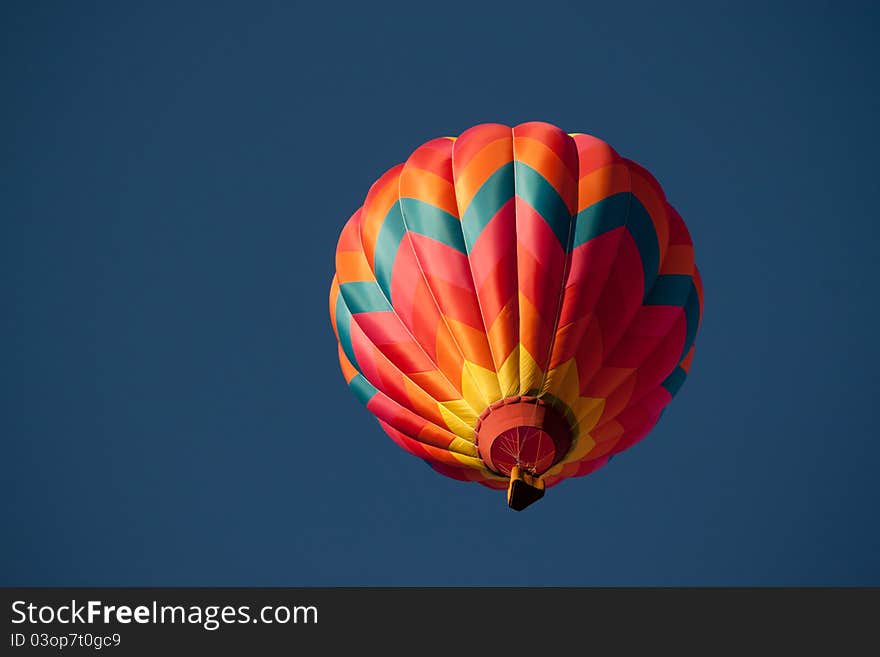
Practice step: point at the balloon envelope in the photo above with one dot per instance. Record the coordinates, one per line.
(515, 300)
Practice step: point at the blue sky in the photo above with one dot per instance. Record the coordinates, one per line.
(174, 178)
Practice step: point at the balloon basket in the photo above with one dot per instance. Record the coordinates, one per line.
(524, 489)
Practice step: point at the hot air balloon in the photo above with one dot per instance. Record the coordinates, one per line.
(516, 305)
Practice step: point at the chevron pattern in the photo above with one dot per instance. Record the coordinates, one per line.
(510, 262)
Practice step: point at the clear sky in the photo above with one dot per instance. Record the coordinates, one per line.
(174, 178)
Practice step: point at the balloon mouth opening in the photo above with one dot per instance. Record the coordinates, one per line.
(522, 432)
